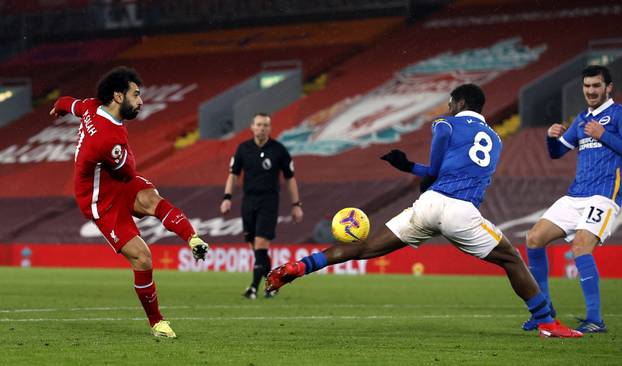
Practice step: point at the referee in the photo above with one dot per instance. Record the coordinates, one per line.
(261, 158)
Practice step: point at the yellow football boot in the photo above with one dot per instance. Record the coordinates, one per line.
(163, 329)
(199, 247)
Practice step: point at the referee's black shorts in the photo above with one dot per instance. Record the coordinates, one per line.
(259, 216)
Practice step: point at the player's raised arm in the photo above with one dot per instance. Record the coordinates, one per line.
(67, 104)
(399, 160)
(440, 140)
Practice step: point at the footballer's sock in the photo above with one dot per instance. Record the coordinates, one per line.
(539, 267)
(539, 308)
(588, 275)
(174, 220)
(262, 266)
(314, 262)
(146, 291)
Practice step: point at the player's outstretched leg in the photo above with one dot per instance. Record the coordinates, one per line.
(149, 202)
(524, 285)
(377, 245)
(175, 220)
(288, 272)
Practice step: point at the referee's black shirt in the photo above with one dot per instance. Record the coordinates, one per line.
(261, 166)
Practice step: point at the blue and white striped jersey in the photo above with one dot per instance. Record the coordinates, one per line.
(598, 166)
(470, 158)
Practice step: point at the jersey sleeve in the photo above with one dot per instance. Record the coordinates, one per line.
(569, 138)
(612, 139)
(77, 107)
(438, 122)
(441, 134)
(118, 158)
(237, 163)
(287, 164)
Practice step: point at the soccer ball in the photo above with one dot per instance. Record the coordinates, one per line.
(350, 225)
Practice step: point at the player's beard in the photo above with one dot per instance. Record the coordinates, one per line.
(127, 111)
(597, 100)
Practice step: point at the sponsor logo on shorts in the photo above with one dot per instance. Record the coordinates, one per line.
(114, 237)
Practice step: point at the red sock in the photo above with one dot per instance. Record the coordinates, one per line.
(146, 291)
(174, 220)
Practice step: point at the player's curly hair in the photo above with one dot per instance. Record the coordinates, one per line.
(595, 70)
(472, 95)
(116, 80)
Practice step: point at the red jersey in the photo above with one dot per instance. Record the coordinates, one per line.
(104, 161)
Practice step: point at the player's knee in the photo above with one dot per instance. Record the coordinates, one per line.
(504, 255)
(578, 249)
(534, 239)
(583, 243)
(148, 200)
(364, 250)
(261, 243)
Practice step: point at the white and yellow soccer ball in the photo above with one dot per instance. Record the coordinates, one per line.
(350, 225)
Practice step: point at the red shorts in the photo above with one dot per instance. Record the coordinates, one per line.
(117, 224)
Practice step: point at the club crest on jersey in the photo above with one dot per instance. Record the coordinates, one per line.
(603, 121)
(114, 237)
(266, 164)
(116, 152)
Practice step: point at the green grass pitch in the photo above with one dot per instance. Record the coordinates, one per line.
(92, 317)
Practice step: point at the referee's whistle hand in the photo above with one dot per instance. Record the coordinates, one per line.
(297, 214)
(225, 207)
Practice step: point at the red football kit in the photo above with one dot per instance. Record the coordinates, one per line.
(106, 186)
(105, 180)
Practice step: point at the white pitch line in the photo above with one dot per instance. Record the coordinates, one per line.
(264, 318)
(301, 317)
(272, 305)
(114, 308)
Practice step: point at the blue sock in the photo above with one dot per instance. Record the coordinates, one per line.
(540, 308)
(314, 262)
(590, 284)
(539, 267)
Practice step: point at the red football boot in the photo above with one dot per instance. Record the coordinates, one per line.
(284, 274)
(557, 329)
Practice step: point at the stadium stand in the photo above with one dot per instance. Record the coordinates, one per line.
(456, 30)
(383, 88)
(52, 64)
(177, 80)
